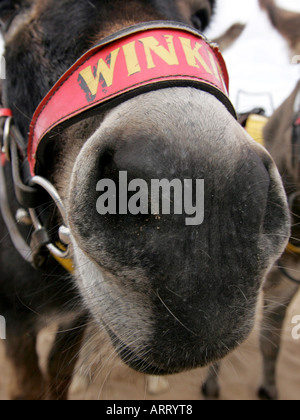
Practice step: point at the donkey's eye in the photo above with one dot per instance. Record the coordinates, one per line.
(200, 19)
(8, 9)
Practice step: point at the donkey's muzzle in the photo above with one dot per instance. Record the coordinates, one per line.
(177, 294)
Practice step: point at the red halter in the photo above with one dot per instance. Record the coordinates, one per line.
(138, 59)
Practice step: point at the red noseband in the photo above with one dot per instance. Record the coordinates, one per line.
(138, 59)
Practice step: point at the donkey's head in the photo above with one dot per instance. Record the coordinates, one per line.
(174, 289)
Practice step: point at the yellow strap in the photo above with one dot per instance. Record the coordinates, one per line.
(255, 126)
(292, 249)
(67, 264)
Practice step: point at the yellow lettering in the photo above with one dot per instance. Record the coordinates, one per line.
(151, 44)
(216, 69)
(107, 72)
(131, 58)
(193, 55)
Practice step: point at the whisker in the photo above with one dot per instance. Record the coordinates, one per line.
(174, 316)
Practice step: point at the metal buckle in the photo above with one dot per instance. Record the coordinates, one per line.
(64, 231)
(6, 138)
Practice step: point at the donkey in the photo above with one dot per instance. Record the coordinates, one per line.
(283, 133)
(171, 296)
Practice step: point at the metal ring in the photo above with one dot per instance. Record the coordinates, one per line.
(49, 188)
(6, 138)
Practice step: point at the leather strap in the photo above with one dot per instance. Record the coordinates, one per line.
(138, 59)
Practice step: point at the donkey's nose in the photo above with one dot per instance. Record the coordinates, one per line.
(183, 294)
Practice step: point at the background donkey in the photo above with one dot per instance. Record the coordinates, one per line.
(170, 297)
(282, 283)
(281, 137)
(282, 133)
